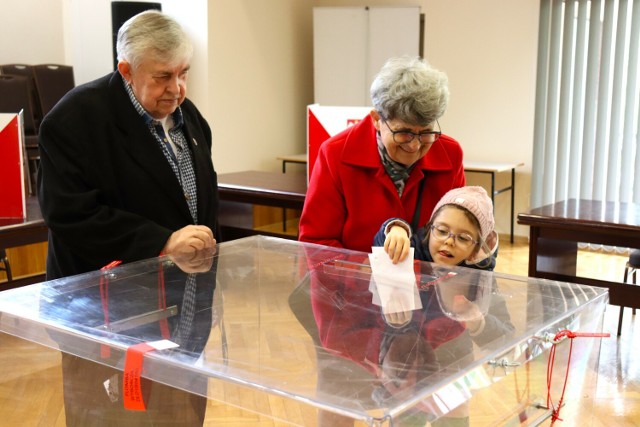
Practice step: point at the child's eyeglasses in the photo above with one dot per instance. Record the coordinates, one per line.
(442, 233)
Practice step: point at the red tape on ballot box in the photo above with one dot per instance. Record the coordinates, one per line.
(132, 387)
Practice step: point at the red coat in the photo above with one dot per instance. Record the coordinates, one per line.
(350, 194)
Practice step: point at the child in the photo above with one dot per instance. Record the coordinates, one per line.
(460, 232)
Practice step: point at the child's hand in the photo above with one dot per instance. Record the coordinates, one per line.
(395, 312)
(397, 244)
(399, 319)
(470, 312)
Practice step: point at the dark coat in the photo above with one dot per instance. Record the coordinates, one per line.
(105, 188)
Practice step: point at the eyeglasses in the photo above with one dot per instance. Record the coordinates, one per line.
(442, 233)
(404, 137)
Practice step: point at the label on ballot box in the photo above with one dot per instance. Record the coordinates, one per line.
(12, 188)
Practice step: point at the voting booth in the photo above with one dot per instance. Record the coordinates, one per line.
(12, 165)
(325, 121)
(294, 332)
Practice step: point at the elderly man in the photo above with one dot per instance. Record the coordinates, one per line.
(126, 174)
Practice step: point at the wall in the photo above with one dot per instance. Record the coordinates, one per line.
(261, 80)
(90, 54)
(253, 71)
(194, 19)
(29, 37)
(489, 50)
(79, 33)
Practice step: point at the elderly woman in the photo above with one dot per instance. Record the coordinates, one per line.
(393, 163)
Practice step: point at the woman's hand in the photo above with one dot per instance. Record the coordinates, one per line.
(397, 244)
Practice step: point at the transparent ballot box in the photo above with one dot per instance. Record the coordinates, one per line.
(269, 331)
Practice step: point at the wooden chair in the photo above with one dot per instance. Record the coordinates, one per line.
(53, 81)
(631, 269)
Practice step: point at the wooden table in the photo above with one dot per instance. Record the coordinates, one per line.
(263, 188)
(252, 187)
(24, 231)
(494, 168)
(491, 168)
(247, 188)
(556, 229)
(292, 158)
(244, 188)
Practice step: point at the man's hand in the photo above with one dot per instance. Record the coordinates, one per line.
(191, 248)
(397, 244)
(199, 262)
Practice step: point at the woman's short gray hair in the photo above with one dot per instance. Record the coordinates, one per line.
(409, 89)
(152, 33)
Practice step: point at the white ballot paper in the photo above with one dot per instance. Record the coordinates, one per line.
(393, 285)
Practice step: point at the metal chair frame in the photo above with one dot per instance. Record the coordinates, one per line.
(629, 270)
(6, 266)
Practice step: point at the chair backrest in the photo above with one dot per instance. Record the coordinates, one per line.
(14, 96)
(53, 81)
(27, 71)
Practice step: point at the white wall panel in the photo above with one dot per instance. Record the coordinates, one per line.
(352, 43)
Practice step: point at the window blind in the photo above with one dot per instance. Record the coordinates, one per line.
(586, 139)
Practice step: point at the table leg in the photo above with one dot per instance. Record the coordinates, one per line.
(533, 250)
(513, 196)
(493, 190)
(551, 256)
(284, 210)
(493, 193)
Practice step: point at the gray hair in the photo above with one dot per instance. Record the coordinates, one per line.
(152, 33)
(409, 89)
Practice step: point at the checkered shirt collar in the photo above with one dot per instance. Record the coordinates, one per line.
(178, 119)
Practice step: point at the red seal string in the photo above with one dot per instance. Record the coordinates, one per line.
(559, 337)
(162, 302)
(105, 350)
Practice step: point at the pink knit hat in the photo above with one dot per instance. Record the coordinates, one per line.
(476, 200)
